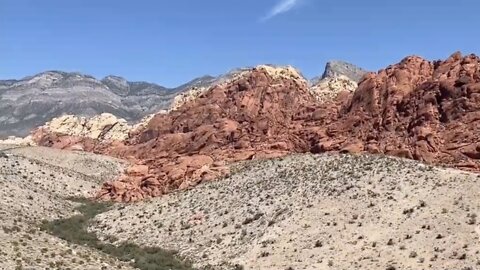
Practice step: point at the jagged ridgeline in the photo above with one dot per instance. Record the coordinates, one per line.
(32, 101)
(417, 109)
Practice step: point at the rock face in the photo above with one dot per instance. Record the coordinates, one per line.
(32, 101)
(249, 117)
(102, 127)
(338, 77)
(339, 68)
(329, 88)
(428, 111)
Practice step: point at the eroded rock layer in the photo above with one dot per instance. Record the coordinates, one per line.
(429, 111)
(250, 117)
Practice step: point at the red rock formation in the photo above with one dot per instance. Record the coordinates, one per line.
(416, 109)
(252, 117)
(429, 111)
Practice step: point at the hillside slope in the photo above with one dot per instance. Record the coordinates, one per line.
(315, 212)
(35, 184)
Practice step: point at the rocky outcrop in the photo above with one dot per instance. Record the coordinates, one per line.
(428, 111)
(17, 141)
(338, 77)
(329, 88)
(188, 96)
(85, 134)
(340, 68)
(195, 92)
(200, 88)
(249, 117)
(102, 127)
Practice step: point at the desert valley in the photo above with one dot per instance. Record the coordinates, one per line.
(259, 168)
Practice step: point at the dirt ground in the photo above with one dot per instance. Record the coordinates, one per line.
(315, 212)
(298, 212)
(35, 183)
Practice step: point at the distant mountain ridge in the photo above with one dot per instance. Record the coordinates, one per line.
(337, 68)
(32, 101)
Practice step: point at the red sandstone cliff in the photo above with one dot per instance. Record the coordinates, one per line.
(429, 111)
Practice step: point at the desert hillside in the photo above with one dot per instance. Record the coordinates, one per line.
(327, 211)
(239, 135)
(35, 184)
(265, 170)
(315, 212)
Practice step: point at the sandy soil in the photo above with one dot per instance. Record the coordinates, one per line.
(315, 212)
(56, 175)
(298, 212)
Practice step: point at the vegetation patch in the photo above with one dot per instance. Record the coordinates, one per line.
(74, 230)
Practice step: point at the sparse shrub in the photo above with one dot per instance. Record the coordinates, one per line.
(472, 219)
(74, 230)
(238, 267)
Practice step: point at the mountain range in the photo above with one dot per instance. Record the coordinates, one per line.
(418, 109)
(257, 169)
(30, 102)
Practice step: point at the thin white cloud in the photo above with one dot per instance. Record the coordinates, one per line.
(281, 7)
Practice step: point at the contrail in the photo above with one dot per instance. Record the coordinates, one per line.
(282, 7)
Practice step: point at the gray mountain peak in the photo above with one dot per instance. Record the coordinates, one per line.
(336, 68)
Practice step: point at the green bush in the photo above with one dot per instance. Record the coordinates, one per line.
(74, 230)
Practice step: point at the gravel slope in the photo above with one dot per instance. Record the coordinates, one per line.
(56, 175)
(297, 212)
(315, 212)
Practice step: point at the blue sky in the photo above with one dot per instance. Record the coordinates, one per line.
(172, 41)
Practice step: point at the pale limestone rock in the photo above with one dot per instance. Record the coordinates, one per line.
(12, 140)
(327, 89)
(67, 124)
(101, 127)
(287, 72)
(188, 96)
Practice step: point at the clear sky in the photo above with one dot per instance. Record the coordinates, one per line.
(172, 41)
